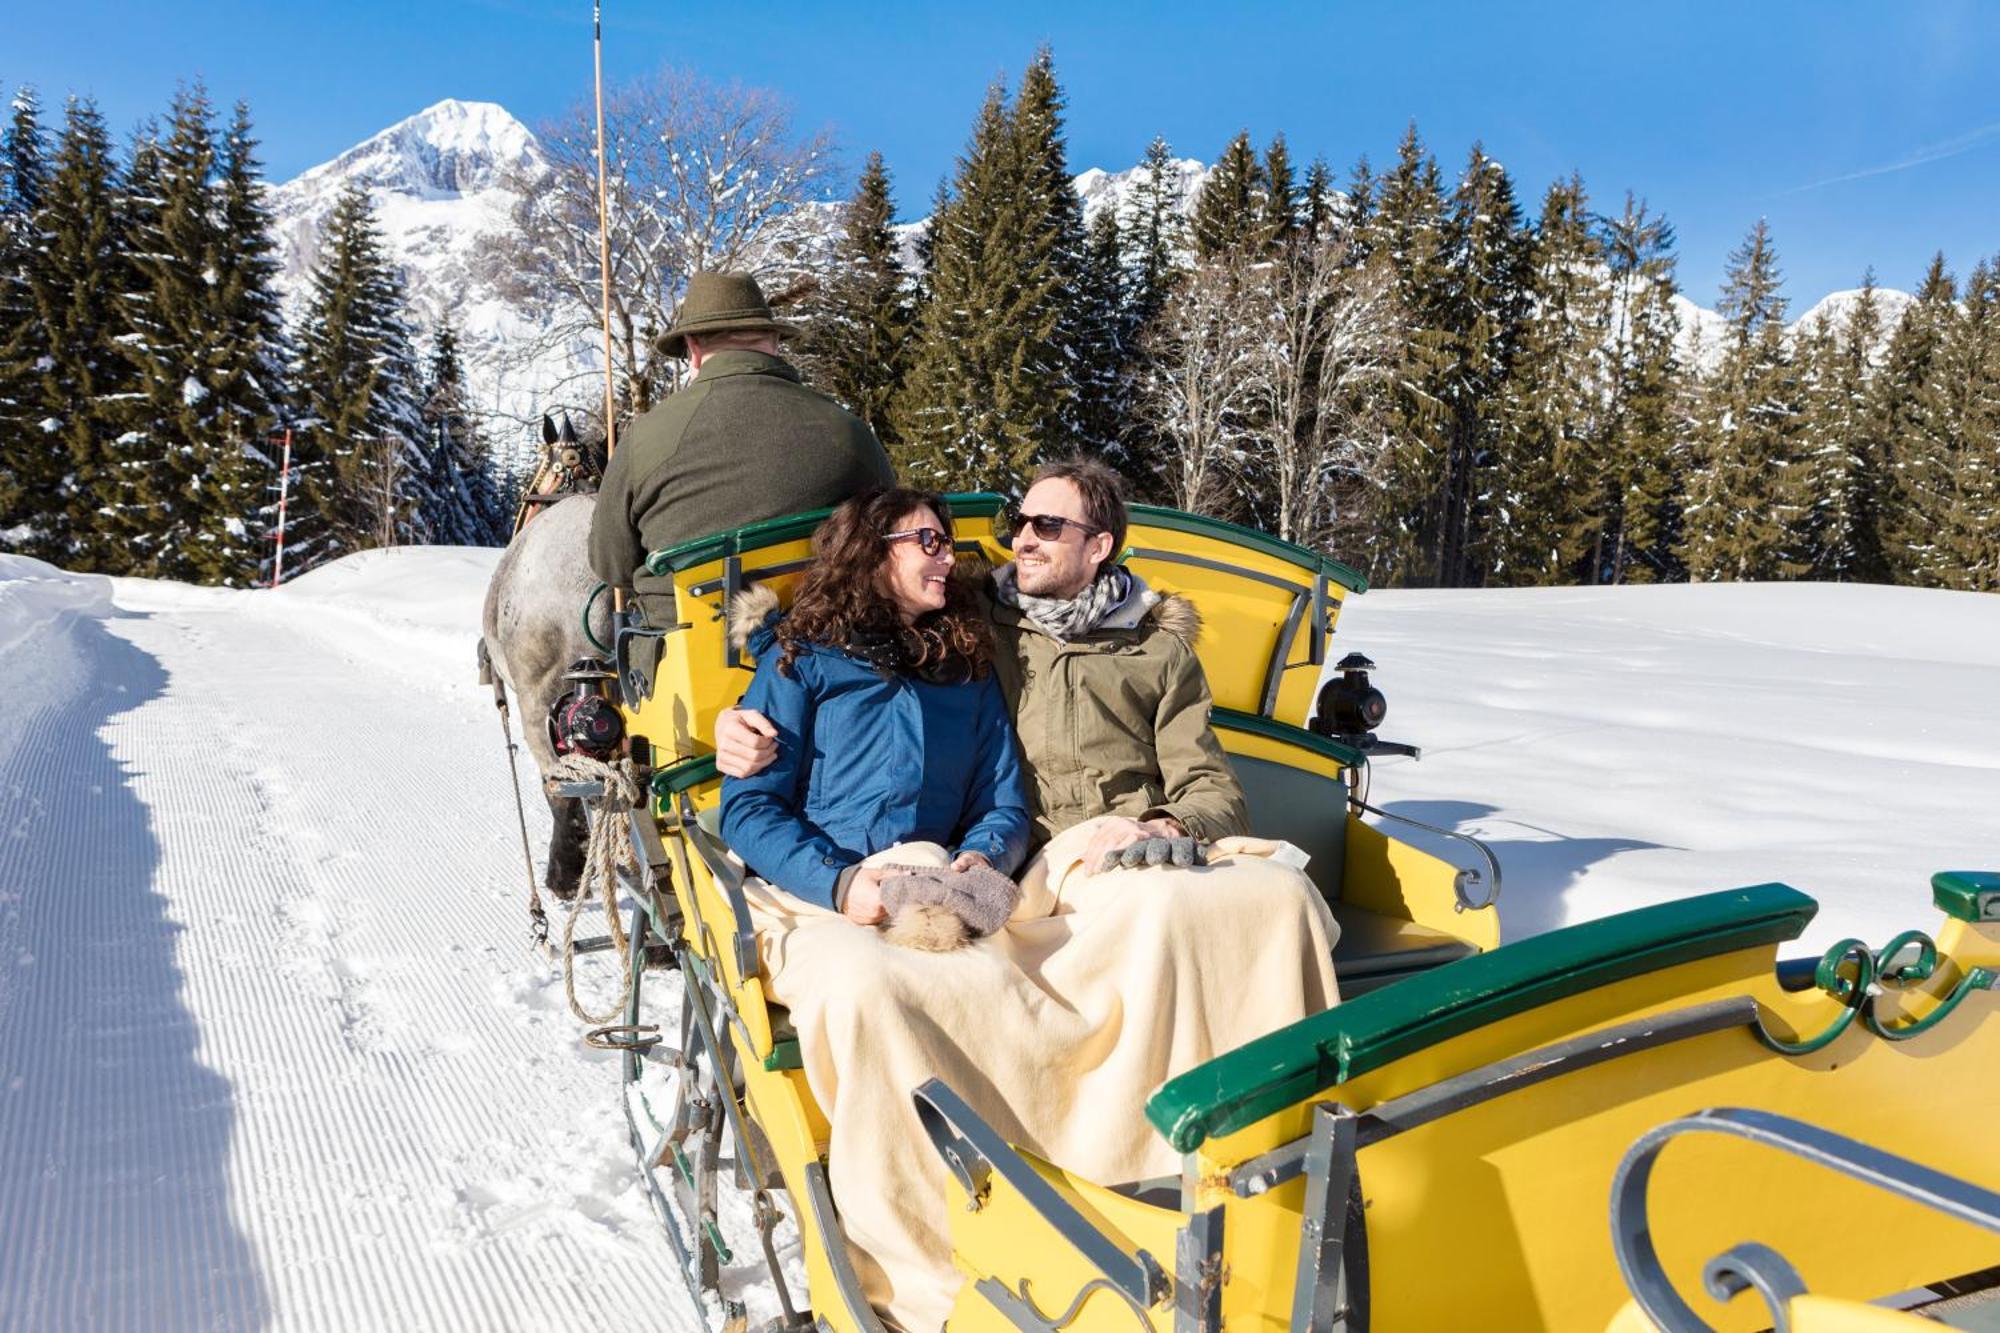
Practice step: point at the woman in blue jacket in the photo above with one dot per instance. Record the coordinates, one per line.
(891, 727)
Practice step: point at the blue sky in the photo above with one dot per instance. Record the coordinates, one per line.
(1868, 133)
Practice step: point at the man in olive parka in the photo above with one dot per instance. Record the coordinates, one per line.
(744, 442)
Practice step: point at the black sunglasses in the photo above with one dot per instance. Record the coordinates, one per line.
(929, 540)
(1049, 527)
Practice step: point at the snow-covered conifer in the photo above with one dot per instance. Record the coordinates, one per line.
(1648, 433)
(1278, 199)
(68, 476)
(1226, 212)
(1555, 486)
(856, 342)
(24, 173)
(463, 504)
(992, 385)
(1747, 493)
(359, 468)
(1485, 302)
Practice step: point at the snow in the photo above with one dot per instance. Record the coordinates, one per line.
(274, 1051)
(192, 391)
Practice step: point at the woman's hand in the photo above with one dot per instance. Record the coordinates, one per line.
(745, 742)
(863, 904)
(965, 861)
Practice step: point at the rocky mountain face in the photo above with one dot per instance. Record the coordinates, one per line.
(438, 181)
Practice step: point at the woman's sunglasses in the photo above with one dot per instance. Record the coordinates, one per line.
(1048, 527)
(929, 540)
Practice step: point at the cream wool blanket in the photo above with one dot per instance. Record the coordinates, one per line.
(1056, 1030)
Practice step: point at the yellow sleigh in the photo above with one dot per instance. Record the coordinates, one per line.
(1580, 1130)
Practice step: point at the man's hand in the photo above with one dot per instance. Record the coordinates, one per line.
(745, 742)
(863, 905)
(965, 861)
(1113, 836)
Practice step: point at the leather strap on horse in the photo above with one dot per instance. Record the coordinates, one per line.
(608, 848)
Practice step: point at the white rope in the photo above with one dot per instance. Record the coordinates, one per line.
(608, 849)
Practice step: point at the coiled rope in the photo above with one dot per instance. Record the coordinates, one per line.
(608, 849)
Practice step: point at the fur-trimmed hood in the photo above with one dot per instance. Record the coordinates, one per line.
(749, 611)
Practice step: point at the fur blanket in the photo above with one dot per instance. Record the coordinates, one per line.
(1056, 1029)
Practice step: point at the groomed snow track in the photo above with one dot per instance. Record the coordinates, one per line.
(274, 1051)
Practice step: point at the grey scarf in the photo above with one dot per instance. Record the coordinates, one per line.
(1066, 619)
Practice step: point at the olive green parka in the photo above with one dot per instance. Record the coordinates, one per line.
(746, 441)
(1116, 721)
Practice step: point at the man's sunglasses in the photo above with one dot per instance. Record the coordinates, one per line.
(929, 540)
(1048, 527)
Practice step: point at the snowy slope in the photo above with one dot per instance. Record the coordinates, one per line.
(274, 1051)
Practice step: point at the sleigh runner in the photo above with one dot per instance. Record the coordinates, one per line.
(1444, 1145)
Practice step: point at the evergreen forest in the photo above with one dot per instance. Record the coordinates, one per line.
(1412, 366)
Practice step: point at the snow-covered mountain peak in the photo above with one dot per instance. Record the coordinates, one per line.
(1100, 189)
(447, 150)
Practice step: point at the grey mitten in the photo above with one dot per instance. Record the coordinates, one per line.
(1180, 852)
(939, 909)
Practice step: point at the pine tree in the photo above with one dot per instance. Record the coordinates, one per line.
(1406, 227)
(1840, 455)
(1557, 488)
(1278, 202)
(1647, 446)
(992, 386)
(24, 173)
(858, 334)
(463, 501)
(67, 475)
(1159, 239)
(1968, 535)
(1747, 498)
(247, 369)
(1946, 450)
(174, 444)
(1485, 304)
(1902, 406)
(358, 465)
(1356, 215)
(1319, 203)
(1226, 211)
(1156, 245)
(1102, 388)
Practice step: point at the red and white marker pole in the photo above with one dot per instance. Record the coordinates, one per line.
(284, 485)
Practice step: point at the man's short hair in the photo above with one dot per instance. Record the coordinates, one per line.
(726, 339)
(1102, 491)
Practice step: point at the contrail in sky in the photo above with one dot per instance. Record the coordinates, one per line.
(1937, 152)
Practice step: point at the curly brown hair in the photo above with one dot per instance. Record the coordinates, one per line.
(840, 603)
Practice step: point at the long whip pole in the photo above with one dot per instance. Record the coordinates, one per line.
(604, 252)
(603, 229)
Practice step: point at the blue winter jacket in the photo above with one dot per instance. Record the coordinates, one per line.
(867, 761)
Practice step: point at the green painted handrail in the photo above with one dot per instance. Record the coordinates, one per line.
(1299, 1062)
(682, 774)
(985, 504)
(1229, 719)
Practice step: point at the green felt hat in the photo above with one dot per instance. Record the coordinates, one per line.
(721, 303)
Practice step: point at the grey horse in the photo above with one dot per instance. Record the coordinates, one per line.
(531, 631)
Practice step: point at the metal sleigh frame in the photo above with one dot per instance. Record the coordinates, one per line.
(1335, 1115)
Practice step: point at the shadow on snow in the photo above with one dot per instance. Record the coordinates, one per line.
(114, 1137)
(1536, 871)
